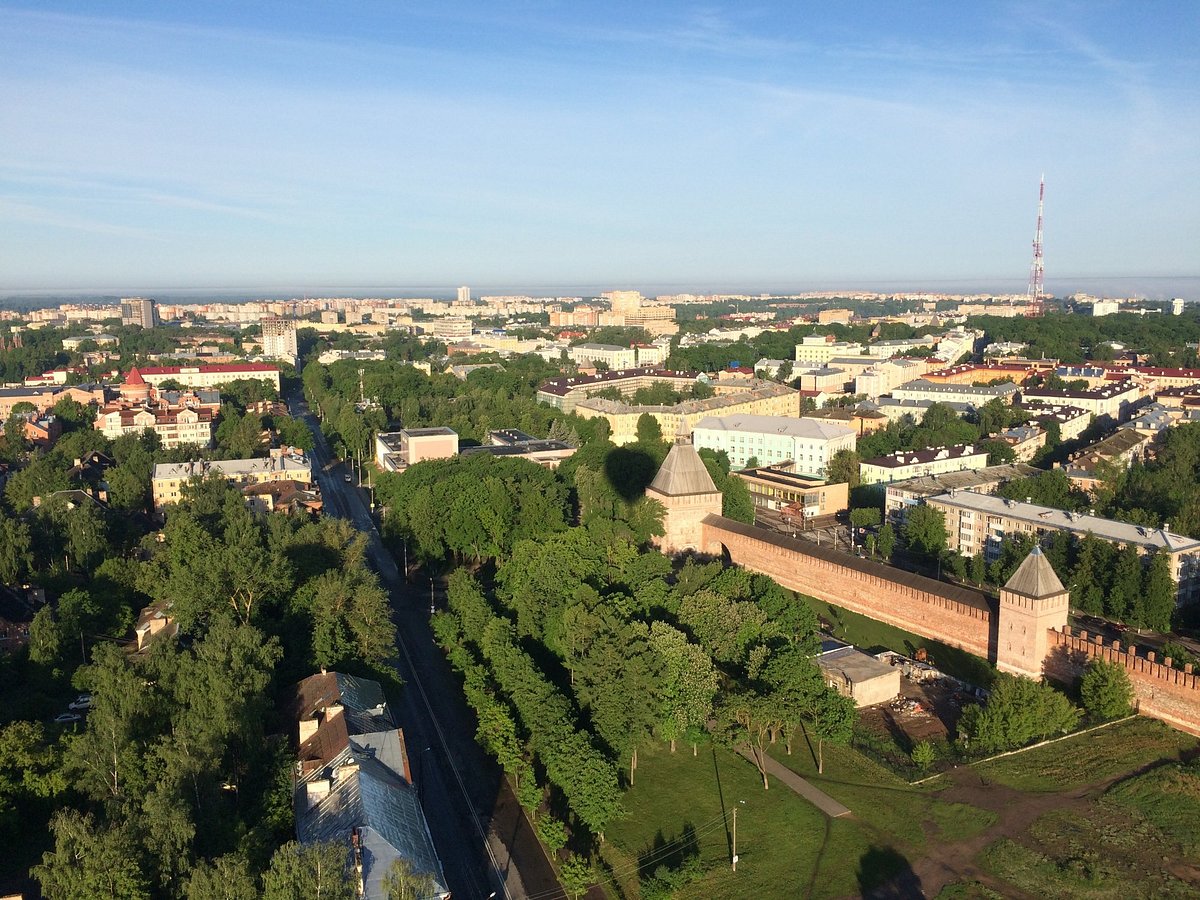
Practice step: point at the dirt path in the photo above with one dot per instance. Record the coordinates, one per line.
(943, 863)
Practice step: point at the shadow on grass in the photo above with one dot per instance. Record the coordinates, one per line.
(885, 874)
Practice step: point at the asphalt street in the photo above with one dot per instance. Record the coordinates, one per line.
(480, 832)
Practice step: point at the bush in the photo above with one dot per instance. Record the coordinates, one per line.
(923, 755)
(1105, 690)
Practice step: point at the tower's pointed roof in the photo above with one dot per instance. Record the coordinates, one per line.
(683, 472)
(134, 377)
(1035, 577)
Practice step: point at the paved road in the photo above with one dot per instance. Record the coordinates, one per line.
(478, 828)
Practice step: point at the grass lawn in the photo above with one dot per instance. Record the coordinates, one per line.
(786, 847)
(1067, 855)
(872, 636)
(1167, 798)
(1091, 757)
(886, 805)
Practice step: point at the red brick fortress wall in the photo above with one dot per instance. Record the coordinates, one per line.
(1162, 691)
(955, 616)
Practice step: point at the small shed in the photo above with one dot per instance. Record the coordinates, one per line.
(858, 675)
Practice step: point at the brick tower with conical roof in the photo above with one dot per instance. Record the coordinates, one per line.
(1031, 603)
(687, 493)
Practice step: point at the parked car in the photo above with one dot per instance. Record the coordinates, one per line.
(83, 701)
(67, 718)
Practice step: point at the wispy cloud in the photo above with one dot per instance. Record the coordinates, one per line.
(31, 214)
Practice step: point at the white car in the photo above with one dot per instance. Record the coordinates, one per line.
(83, 701)
(67, 718)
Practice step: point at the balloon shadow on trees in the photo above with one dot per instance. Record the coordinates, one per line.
(630, 471)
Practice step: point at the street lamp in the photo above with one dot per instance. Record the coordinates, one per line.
(431, 607)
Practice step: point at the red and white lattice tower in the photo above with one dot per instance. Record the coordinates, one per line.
(1037, 272)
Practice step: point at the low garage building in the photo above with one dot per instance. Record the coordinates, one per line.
(858, 675)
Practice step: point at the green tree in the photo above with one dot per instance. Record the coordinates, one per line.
(1158, 593)
(552, 832)
(16, 550)
(925, 531)
(1125, 590)
(648, 430)
(402, 881)
(1092, 571)
(89, 861)
(844, 467)
(688, 683)
(225, 878)
(978, 569)
(576, 875)
(1018, 711)
(923, 755)
(887, 540)
(833, 720)
(866, 516)
(1105, 690)
(309, 872)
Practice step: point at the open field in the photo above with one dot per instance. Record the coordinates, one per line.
(1091, 757)
(1022, 825)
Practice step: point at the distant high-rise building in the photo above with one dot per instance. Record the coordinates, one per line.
(279, 338)
(464, 294)
(623, 302)
(1177, 306)
(139, 311)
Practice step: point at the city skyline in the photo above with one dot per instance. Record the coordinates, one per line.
(679, 146)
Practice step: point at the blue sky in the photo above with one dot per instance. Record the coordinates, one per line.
(539, 143)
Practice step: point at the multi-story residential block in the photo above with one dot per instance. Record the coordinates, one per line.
(825, 380)
(751, 398)
(901, 496)
(1106, 307)
(900, 346)
(43, 398)
(652, 354)
(175, 428)
(819, 349)
(1114, 400)
(100, 340)
(1071, 420)
(166, 484)
(1025, 440)
(139, 311)
(771, 440)
(609, 354)
(978, 523)
(397, 450)
(894, 410)
(922, 389)
(206, 376)
(279, 339)
(906, 464)
(887, 375)
(449, 329)
(564, 393)
(834, 317)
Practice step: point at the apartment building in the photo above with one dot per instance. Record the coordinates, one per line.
(886, 376)
(1071, 420)
(900, 346)
(206, 376)
(923, 389)
(1114, 400)
(977, 523)
(279, 339)
(770, 440)
(906, 464)
(564, 393)
(819, 349)
(174, 427)
(901, 496)
(754, 398)
(166, 484)
(610, 354)
(139, 311)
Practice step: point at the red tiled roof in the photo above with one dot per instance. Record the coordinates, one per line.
(134, 377)
(229, 368)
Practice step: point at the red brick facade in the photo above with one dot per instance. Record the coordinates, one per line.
(1163, 692)
(960, 618)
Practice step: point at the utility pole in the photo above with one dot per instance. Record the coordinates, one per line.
(735, 858)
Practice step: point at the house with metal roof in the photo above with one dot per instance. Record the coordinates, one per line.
(354, 782)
